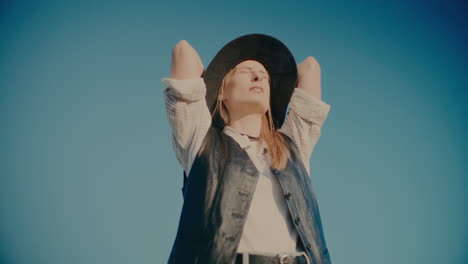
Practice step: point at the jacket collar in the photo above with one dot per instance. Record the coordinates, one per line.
(242, 140)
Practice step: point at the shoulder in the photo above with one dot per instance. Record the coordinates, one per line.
(290, 143)
(287, 139)
(212, 141)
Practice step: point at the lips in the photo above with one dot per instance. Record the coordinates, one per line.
(256, 89)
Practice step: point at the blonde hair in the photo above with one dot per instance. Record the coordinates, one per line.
(277, 147)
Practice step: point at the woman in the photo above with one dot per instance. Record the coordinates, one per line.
(247, 193)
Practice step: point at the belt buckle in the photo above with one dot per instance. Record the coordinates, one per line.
(282, 258)
(306, 257)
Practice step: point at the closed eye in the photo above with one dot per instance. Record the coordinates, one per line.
(245, 71)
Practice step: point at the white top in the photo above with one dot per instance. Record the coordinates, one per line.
(268, 227)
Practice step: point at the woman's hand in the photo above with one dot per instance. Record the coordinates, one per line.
(308, 75)
(186, 63)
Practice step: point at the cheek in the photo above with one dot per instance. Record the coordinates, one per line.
(238, 89)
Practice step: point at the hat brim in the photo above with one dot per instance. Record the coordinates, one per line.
(272, 54)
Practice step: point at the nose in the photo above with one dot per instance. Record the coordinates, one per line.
(256, 76)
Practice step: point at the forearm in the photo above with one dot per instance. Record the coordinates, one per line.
(188, 116)
(304, 122)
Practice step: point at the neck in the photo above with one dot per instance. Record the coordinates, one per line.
(248, 124)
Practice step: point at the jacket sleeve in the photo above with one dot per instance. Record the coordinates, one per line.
(188, 115)
(304, 121)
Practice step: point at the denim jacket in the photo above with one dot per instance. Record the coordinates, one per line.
(217, 195)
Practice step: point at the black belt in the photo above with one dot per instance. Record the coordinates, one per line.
(273, 259)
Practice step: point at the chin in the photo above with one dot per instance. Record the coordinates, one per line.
(257, 105)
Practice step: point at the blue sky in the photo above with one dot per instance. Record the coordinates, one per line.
(88, 174)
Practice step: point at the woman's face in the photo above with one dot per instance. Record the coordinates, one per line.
(248, 89)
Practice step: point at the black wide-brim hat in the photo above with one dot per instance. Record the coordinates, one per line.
(272, 54)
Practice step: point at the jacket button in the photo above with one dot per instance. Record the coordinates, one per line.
(297, 220)
(275, 171)
(287, 195)
(308, 246)
(325, 251)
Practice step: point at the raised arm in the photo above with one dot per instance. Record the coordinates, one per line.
(186, 108)
(307, 112)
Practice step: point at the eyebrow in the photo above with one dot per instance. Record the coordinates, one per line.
(250, 68)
